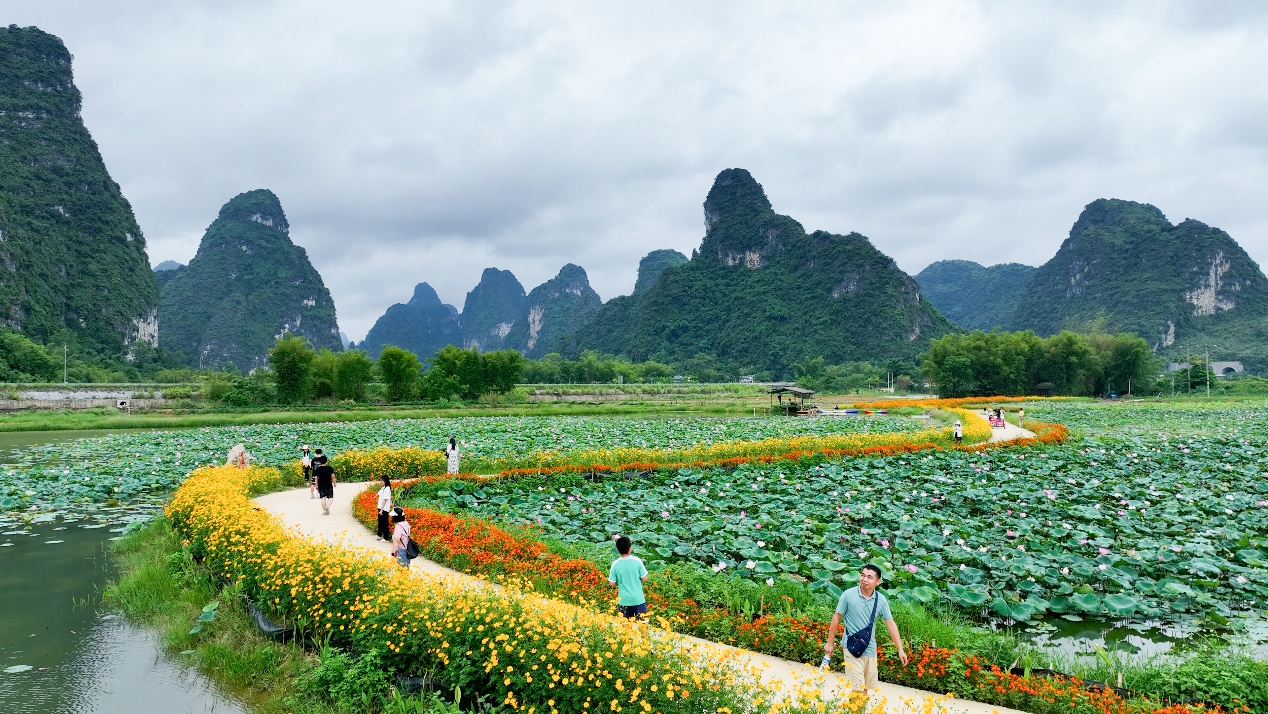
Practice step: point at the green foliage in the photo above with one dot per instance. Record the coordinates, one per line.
(554, 312)
(653, 264)
(247, 284)
(70, 247)
(973, 296)
(292, 364)
(468, 374)
(324, 374)
(495, 303)
(590, 367)
(352, 374)
(761, 294)
(21, 360)
(814, 373)
(400, 371)
(1016, 363)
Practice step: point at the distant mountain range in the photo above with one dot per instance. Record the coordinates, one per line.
(759, 294)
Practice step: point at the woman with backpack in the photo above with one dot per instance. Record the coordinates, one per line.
(400, 537)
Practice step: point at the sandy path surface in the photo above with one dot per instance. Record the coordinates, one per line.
(297, 510)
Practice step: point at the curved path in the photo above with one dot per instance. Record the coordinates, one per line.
(297, 510)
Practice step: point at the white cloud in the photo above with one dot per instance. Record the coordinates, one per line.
(415, 142)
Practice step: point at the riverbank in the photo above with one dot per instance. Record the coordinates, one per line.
(161, 587)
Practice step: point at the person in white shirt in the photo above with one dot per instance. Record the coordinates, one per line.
(385, 509)
(306, 463)
(451, 451)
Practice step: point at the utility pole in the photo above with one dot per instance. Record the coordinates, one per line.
(1188, 375)
(1208, 371)
(64, 365)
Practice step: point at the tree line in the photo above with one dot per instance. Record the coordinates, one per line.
(1021, 363)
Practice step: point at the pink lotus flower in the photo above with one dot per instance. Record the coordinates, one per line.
(1104, 551)
(1083, 542)
(757, 526)
(664, 514)
(884, 542)
(911, 568)
(743, 514)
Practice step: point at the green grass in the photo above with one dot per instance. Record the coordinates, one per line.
(162, 588)
(112, 419)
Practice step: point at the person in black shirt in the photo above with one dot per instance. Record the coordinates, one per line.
(325, 477)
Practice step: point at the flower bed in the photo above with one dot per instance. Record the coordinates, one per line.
(413, 462)
(533, 653)
(481, 548)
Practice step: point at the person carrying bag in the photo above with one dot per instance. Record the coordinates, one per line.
(859, 608)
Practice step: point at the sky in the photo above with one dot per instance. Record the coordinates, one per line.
(425, 141)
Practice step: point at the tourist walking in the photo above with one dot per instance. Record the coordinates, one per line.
(385, 510)
(400, 537)
(859, 608)
(306, 465)
(958, 430)
(451, 453)
(1021, 417)
(324, 475)
(627, 574)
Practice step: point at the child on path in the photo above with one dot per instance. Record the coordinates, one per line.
(627, 574)
(400, 537)
(1021, 417)
(324, 475)
(385, 508)
(306, 463)
(451, 452)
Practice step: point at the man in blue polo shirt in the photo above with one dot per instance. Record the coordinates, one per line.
(855, 608)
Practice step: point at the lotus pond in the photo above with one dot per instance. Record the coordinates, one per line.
(141, 468)
(1149, 530)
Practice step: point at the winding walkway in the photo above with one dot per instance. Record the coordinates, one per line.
(298, 511)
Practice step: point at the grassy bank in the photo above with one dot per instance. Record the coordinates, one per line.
(161, 587)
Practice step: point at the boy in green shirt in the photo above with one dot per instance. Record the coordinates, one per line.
(627, 574)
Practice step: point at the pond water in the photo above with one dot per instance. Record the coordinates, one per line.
(59, 651)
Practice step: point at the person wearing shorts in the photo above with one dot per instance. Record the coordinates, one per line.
(854, 609)
(324, 475)
(627, 574)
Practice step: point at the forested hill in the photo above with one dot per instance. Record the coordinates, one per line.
(972, 296)
(553, 312)
(422, 325)
(247, 286)
(761, 293)
(491, 310)
(1125, 267)
(72, 257)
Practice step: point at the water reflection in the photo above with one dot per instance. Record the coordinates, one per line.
(51, 577)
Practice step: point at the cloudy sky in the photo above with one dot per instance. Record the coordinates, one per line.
(424, 141)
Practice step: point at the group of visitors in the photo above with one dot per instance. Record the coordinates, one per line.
(858, 608)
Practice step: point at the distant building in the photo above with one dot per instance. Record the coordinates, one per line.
(1220, 369)
(748, 378)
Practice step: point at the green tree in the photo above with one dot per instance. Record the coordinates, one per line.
(323, 374)
(22, 360)
(352, 375)
(291, 361)
(1068, 362)
(400, 370)
(1127, 362)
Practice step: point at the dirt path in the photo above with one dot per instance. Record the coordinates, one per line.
(1009, 432)
(297, 510)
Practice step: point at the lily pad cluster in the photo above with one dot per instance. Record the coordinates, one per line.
(143, 467)
(1131, 527)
